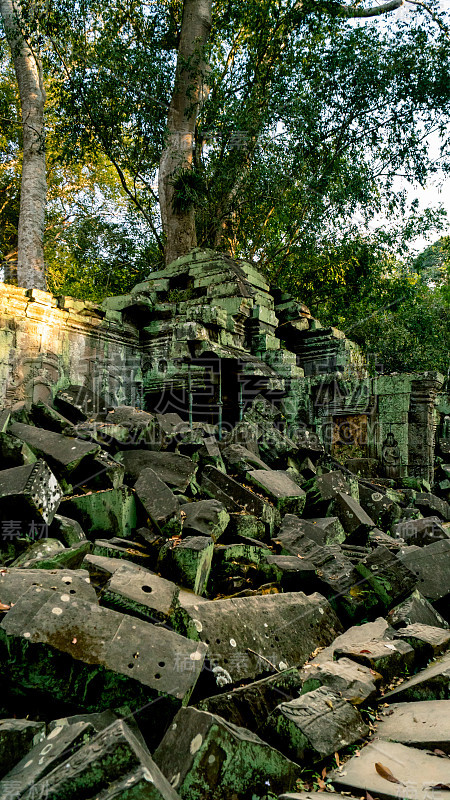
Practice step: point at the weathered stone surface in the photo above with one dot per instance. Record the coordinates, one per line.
(14, 453)
(431, 564)
(432, 683)
(388, 657)
(280, 488)
(159, 502)
(249, 706)
(415, 609)
(422, 724)
(188, 562)
(356, 523)
(238, 566)
(355, 682)
(63, 453)
(416, 773)
(29, 493)
(235, 497)
(69, 531)
(315, 725)
(238, 459)
(325, 530)
(109, 757)
(206, 758)
(322, 489)
(420, 531)
(78, 403)
(112, 658)
(65, 558)
(247, 525)
(427, 502)
(38, 551)
(108, 513)
(46, 756)
(44, 416)
(248, 636)
(388, 577)
(17, 737)
(381, 508)
(139, 592)
(291, 573)
(174, 470)
(141, 784)
(119, 548)
(426, 640)
(208, 517)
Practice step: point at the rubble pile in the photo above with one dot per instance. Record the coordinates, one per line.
(205, 618)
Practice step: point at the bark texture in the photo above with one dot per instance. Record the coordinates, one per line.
(33, 189)
(188, 94)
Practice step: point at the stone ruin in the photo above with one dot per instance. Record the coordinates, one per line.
(225, 550)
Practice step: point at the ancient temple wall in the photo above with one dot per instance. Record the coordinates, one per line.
(48, 343)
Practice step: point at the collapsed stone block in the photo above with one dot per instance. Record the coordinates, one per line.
(139, 592)
(431, 564)
(14, 453)
(78, 403)
(382, 509)
(356, 523)
(427, 641)
(44, 416)
(421, 724)
(63, 453)
(206, 758)
(29, 493)
(415, 609)
(355, 682)
(174, 470)
(108, 513)
(280, 489)
(325, 530)
(236, 498)
(159, 502)
(69, 531)
(247, 525)
(249, 636)
(188, 562)
(238, 459)
(17, 737)
(420, 531)
(291, 573)
(415, 772)
(107, 758)
(113, 659)
(46, 756)
(249, 706)
(322, 490)
(426, 502)
(388, 577)
(432, 683)
(38, 551)
(207, 517)
(315, 725)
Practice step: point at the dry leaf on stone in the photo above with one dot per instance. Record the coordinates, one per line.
(386, 773)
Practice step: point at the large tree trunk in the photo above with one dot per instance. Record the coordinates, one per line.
(33, 189)
(177, 156)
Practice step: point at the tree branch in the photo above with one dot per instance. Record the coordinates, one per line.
(352, 12)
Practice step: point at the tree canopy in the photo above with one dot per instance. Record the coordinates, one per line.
(307, 121)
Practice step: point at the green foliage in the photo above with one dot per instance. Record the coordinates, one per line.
(189, 189)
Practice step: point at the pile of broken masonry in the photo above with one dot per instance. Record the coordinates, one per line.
(235, 620)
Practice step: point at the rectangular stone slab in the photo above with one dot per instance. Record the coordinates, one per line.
(17, 737)
(159, 502)
(63, 452)
(139, 592)
(205, 757)
(315, 725)
(48, 755)
(141, 784)
(248, 636)
(15, 582)
(280, 488)
(236, 497)
(431, 564)
(29, 493)
(423, 724)
(432, 683)
(249, 706)
(110, 756)
(113, 659)
(414, 768)
(103, 514)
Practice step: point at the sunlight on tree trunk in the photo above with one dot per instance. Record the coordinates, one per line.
(177, 157)
(33, 190)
